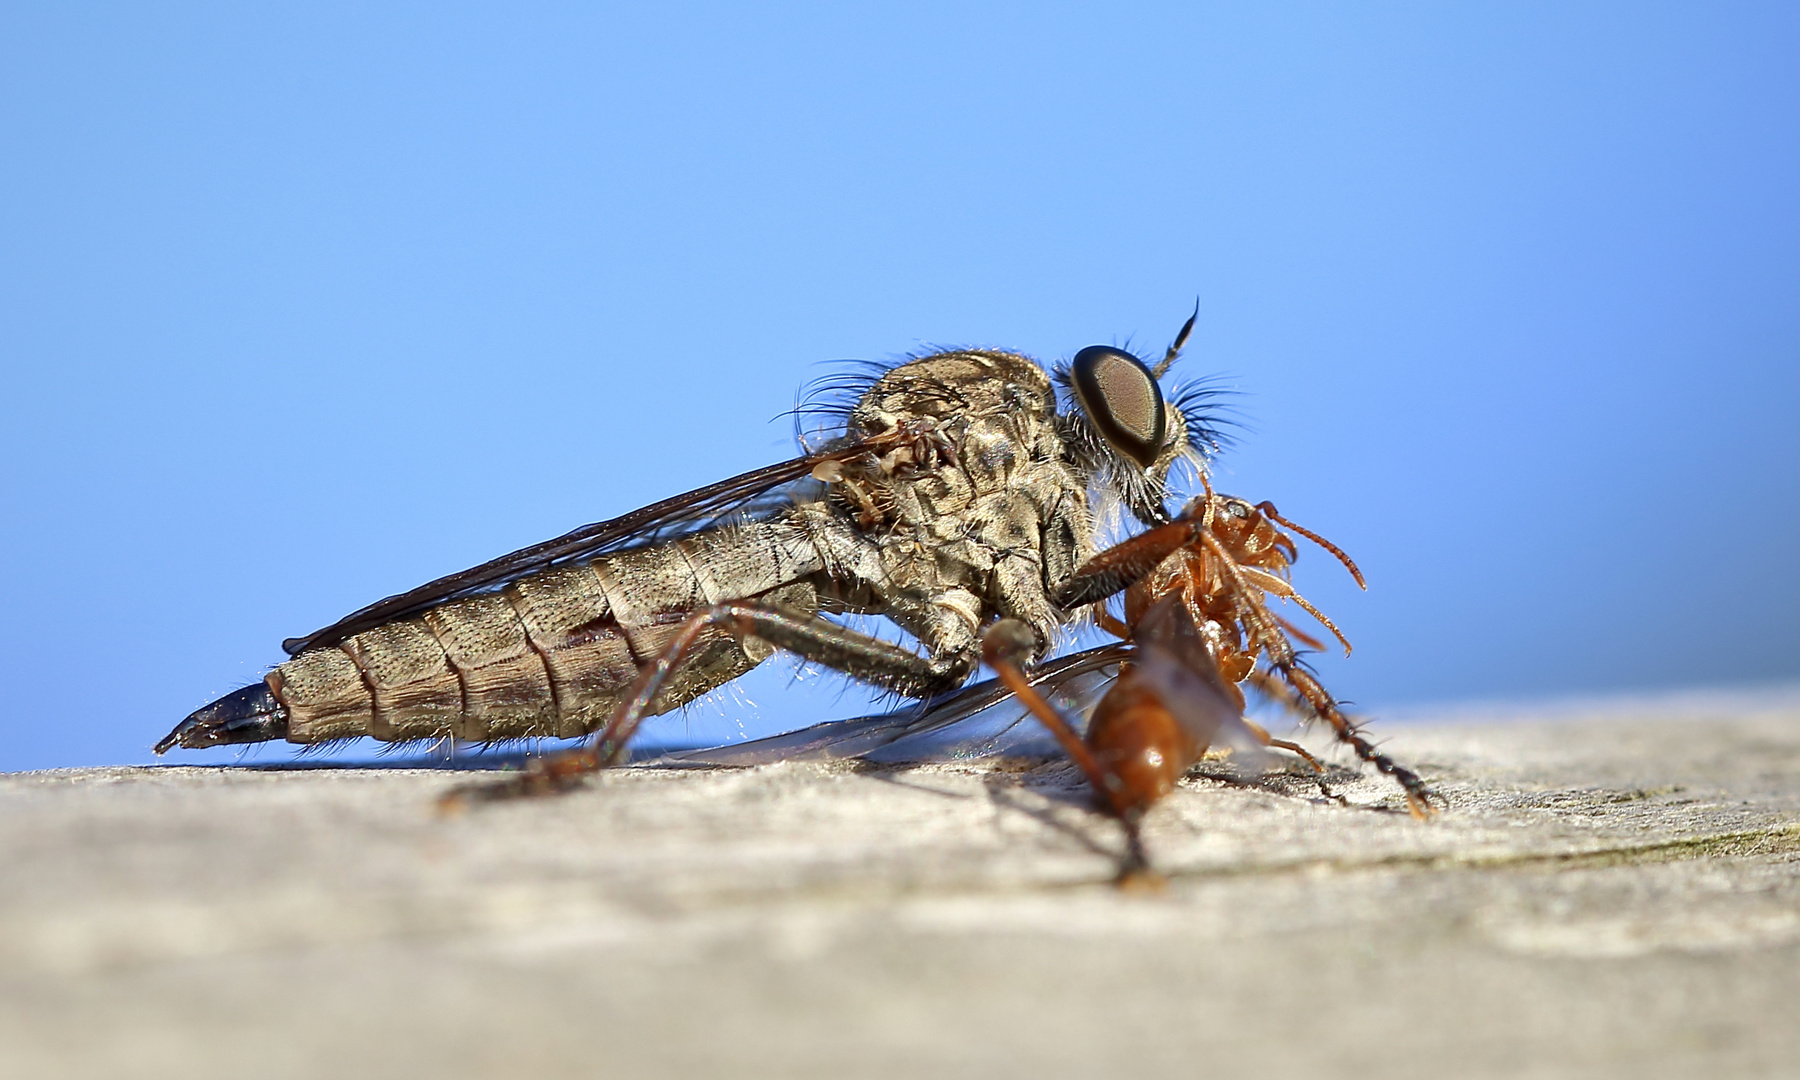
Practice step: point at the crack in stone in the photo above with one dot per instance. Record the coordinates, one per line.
(1778, 840)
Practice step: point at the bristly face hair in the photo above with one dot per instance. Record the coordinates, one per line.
(822, 408)
(1195, 433)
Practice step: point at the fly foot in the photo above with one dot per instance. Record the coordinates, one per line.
(550, 775)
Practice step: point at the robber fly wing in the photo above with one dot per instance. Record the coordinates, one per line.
(689, 509)
(1004, 727)
(1082, 675)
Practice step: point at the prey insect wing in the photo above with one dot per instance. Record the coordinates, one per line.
(1173, 661)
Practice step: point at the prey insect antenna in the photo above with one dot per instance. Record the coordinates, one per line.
(1268, 508)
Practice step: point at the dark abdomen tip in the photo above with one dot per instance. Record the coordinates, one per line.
(242, 716)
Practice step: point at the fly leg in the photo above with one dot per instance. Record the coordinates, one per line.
(811, 637)
(1123, 565)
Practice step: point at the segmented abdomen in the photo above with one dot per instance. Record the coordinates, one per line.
(553, 653)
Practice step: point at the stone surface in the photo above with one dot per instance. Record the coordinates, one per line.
(1611, 895)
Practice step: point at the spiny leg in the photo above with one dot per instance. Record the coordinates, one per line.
(1311, 700)
(1263, 736)
(811, 637)
(1264, 630)
(1320, 703)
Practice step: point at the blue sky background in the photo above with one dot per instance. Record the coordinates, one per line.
(301, 308)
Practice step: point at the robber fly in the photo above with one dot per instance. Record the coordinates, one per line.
(952, 489)
(1197, 627)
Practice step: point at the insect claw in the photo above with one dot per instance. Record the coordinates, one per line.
(1143, 880)
(453, 803)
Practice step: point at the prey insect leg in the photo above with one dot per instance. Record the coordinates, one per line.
(1319, 703)
(1005, 645)
(1262, 736)
(1268, 582)
(1106, 621)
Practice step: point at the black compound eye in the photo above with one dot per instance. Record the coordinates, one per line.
(1121, 400)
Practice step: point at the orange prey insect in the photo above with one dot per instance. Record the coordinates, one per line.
(1197, 616)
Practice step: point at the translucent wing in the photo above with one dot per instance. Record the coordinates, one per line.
(657, 521)
(979, 719)
(1174, 660)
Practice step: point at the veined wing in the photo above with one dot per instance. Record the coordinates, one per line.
(1078, 679)
(652, 522)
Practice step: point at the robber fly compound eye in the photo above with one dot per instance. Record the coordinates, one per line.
(1121, 399)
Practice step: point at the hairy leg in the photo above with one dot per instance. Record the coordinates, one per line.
(811, 637)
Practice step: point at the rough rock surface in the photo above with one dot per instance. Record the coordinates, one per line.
(1604, 896)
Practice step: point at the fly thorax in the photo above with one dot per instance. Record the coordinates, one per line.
(990, 453)
(964, 604)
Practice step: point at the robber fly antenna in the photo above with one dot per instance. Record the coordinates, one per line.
(1180, 340)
